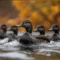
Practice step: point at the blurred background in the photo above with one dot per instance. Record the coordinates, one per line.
(45, 12)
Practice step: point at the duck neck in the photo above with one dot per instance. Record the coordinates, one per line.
(56, 32)
(29, 30)
(42, 32)
(15, 32)
(4, 30)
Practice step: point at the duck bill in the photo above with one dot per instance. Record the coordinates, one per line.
(35, 30)
(50, 29)
(20, 25)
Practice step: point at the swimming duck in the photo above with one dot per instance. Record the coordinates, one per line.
(27, 39)
(55, 29)
(4, 37)
(42, 36)
(14, 29)
(13, 38)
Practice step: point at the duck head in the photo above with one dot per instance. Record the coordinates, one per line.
(14, 29)
(55, 28)
(40, 29)
(4, 28)
(27, 25)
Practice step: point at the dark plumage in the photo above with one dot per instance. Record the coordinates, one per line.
(14, 36)
(27, 38)
(55, 29)
(3, 32)
(42, 36)
(27, 25)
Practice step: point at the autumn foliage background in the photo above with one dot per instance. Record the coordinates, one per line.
(45, 12)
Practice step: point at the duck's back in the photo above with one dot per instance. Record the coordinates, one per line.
(42, 38)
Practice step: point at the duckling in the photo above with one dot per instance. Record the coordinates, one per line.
(27, 39)
(55, 29)
(42, 36)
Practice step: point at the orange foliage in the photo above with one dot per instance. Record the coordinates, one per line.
(31, 9)
(47, 25)
(12, 22)
(55, 9)
(25, 13)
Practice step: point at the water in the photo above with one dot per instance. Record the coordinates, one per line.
(43, 51)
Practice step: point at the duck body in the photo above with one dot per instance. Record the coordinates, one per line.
(4, 39)
(43, 38)
(2, 35)
(27, 39)
(55, 37)
(28, 42)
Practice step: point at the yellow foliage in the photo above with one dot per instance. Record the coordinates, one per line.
(36, 17)
(46, 9)
(25, 12)
(55, 9)
(29, 9)
(17, 4)
(46, 24)
(12, 22)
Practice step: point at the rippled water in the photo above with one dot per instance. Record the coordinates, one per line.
(43, 51)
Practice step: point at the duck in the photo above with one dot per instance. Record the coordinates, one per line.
(27, 39)
(41, 36)
(14, 29)
(55, 29)
(4, 37)
(13, 38)
(3, 32)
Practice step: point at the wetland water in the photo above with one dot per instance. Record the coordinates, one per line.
(46, 51)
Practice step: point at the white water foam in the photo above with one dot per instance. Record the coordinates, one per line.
(44, 48)
(16, 55)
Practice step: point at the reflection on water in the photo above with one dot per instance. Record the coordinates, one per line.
(46, 51)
